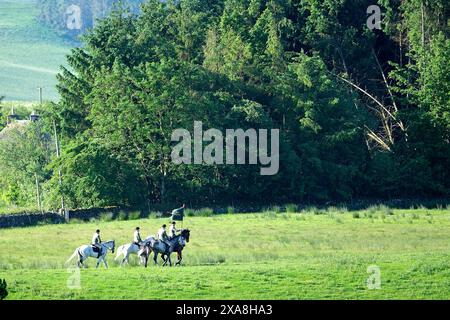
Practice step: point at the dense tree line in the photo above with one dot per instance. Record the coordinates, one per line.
(362, 113)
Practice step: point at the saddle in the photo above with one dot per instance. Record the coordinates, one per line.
(139, 245)
(97, 250)
(155, 242)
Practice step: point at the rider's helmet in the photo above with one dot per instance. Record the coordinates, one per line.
(174, 223)
(164, 226)
(97, 231)
(137, 228)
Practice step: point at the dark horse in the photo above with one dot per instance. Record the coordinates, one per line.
(157, 247)
(186, 233)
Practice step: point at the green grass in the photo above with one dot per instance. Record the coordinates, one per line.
(30, 54)
(246, 256)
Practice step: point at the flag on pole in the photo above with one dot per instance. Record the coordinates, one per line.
(177, 217)
(178, 214)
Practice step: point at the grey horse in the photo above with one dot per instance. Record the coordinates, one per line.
(177, 244)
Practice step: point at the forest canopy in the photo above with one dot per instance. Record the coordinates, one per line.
(362, 113)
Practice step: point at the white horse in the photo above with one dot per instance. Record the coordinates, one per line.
(131, 248)
(87, 251)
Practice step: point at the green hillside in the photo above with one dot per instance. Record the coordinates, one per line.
(30, 54)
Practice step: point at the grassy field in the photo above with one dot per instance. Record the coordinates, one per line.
(247, 256)
(30, 54)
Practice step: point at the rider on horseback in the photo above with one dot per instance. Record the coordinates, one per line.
(137, 240)
(97, 241)
(162, 236)
(173, 230)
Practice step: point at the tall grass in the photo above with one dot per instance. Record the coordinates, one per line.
(291, 208)
(203, 212)
(134, 215)
(107, 216)
(123, 215)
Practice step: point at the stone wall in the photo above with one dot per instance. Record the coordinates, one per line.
(29, 219)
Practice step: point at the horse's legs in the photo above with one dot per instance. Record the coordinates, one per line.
(168, 260)
(104, 261)
(125, 258)
(80, 262)
(180, 257)
(98, 263)
(155, 257)
(146, 256)
(143, 258)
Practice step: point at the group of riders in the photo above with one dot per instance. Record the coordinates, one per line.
(137, 239)
(164, 244)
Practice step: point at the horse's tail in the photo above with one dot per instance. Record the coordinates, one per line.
(76, 252)
(119, 252)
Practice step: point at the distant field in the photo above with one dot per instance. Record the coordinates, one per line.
(30, 54)
(247, 256)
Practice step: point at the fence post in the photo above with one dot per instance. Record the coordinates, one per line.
(65, 214)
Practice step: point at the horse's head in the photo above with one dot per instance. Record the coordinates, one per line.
(111, 245)
(186, 233)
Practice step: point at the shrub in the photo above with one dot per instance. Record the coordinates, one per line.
(386, 210)
(267, 213)
(356, 215)
(134, 215)
(107, 216)
(343, 209)
(332, 209)
(291, 208)
(122, 215)
(205, 212)
(372, 210)
(312, 210)
(317, 211)
(155, 214)
(276, 209)
(3, 289)
(230, 210)
(189, 212)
